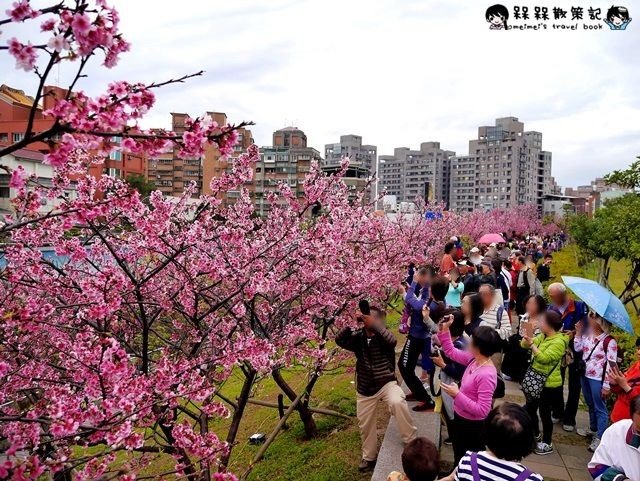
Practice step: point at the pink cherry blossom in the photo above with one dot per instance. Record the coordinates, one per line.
(18, 178)
(80, 24)
(21, 10)
(48, 25)
(58, 43)
(25, 55)
(125, 340)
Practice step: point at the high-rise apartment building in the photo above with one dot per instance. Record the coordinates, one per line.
(171, 174)
(351, 146)
(362, 163)
(510, 169)
(288, 160)
(423, 173)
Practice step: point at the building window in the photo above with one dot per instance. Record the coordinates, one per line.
(18, 137)
(4, 137)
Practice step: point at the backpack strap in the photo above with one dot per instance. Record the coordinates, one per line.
(475, 471)
(524, 475)
(499, 315)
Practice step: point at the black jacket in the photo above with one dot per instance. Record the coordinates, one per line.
(375, 357)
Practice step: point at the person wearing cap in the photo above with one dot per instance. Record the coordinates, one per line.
(468, 277)
(458, 253)
(475, 257)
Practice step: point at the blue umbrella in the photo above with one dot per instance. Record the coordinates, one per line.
(601, 300)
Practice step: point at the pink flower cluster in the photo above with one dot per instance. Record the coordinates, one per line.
(21, 11)
(24, 54)
(74, 30)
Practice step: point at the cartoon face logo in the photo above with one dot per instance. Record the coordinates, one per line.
(497, 16)
(617, 18)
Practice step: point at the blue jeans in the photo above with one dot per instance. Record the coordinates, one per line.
(598, 414)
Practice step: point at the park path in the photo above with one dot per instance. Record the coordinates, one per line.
(567, 463)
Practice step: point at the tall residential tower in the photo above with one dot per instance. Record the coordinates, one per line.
(506, 166)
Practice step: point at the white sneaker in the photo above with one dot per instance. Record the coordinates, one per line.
(568, 428)
(585, 433)
(594, 444)
(542, 449)
(555, 420)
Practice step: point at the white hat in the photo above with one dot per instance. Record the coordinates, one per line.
(476, 260)
(493, 244)
(453, 239)
(474, 250)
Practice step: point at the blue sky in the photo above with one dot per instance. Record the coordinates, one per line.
(396, 72)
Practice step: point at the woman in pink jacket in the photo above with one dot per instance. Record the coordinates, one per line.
(473, 400)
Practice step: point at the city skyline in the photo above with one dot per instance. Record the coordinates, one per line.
(324, 67)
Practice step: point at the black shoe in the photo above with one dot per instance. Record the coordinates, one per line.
(424, 406)
(366, 466)
(447, 442)
(410, 397)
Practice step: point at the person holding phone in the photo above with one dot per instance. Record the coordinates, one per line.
(473, 399)
(374, 347)
(419, 339)
(598, 348)
(625, 385)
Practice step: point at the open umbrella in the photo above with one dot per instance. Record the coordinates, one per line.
(491, 238)
(601, 300)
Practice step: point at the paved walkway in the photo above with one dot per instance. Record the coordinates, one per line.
(567, 463)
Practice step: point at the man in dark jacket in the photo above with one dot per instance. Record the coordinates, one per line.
(572, 312)
(544, 269)
(374, 347)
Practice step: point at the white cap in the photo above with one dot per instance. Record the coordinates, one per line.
(493, 244)
(476, 260)
(474, 250)
(453, 239)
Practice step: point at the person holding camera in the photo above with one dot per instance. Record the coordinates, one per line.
(419, 339)
(374, 347)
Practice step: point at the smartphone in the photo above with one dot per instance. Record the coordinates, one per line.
(447, 318)
(613, 364)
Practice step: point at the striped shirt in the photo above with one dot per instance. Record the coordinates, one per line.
(491, 469)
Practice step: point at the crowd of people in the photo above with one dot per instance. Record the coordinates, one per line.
(479, 319)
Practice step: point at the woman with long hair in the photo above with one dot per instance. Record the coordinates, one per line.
(598, 349)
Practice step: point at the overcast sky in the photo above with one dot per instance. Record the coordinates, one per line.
(397, 72)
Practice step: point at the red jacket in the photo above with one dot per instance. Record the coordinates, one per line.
(622, 405)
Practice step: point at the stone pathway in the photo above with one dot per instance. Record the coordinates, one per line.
(567, 463)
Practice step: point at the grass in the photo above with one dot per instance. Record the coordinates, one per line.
(335, 452)
(566, 262)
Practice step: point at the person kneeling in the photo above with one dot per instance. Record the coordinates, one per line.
(374, 347)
